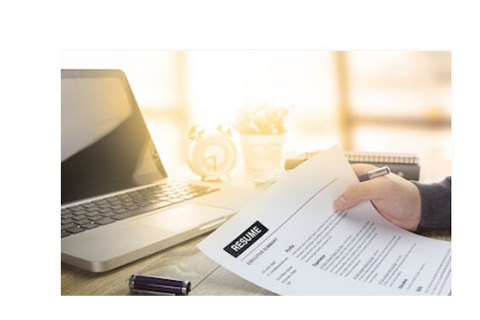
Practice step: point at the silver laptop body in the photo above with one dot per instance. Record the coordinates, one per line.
(118, 205)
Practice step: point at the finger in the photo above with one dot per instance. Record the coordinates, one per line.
(368, 190)
(361, 168)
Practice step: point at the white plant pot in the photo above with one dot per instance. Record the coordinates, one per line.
(264, 153)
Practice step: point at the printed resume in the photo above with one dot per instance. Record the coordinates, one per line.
(290, 241)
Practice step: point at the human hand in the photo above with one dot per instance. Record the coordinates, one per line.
(396, 199)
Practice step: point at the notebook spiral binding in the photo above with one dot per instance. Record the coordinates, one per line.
(370, 157)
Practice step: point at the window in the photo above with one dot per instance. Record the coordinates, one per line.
(391, 101)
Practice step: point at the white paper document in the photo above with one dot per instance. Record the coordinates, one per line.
(291, 242)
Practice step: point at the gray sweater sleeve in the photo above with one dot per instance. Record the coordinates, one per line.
(436, 206)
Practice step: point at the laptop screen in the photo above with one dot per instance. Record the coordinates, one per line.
(106, 146)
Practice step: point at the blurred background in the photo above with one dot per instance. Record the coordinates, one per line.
(384, 101)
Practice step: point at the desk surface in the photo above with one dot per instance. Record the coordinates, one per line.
(183, 261)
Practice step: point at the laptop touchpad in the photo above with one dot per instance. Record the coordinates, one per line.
(186, 216)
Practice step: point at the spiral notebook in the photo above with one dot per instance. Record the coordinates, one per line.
(405, 165)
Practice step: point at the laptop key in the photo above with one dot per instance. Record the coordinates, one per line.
(88, 205)
(76, 208)
(108, 214)
(92, 214)
(142, 204)
(76, 229)
(66, 221)
(105, 221)
(67, 216)
(128, 214)
(80, 212)
(68, 226)
(79, 217)
(65, 233)
(84, 221)
(176, 199)
(89, 225)
(95, 218)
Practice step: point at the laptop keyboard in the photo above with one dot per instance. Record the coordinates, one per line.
(107, 210)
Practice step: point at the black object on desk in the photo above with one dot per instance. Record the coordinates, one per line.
(141, 284)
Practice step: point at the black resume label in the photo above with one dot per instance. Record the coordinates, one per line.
(246, 239)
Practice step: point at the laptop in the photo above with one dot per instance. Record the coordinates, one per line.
(118, 204)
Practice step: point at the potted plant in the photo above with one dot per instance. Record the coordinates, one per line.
(261, 127)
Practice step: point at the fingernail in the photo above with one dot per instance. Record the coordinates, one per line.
(339, 203)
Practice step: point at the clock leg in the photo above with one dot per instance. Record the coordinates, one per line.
(205, 179)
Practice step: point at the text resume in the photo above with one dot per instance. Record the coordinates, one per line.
(290, 241)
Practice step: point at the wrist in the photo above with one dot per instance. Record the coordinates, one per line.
(415, 216)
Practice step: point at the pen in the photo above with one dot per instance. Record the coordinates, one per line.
(374, 174)
(142, 284)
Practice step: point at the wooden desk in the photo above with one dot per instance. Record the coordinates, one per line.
(184, 261)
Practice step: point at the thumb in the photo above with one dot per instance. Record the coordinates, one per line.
(358, 192)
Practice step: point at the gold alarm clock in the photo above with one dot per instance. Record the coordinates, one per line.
(212, 156)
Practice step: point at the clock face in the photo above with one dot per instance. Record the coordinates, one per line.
(212, 156)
